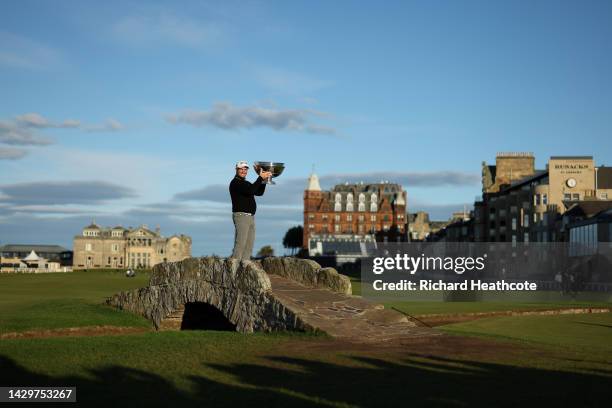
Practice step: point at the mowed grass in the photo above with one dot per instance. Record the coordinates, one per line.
(214, 369)
(587, 334)
(59, 300)
(420, 308)
(503, 361)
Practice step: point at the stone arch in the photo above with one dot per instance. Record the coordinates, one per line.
(203, 316)
(240, 290)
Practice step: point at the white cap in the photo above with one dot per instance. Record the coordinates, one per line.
(242, 164)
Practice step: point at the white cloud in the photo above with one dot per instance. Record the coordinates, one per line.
(23, 53)
(111, 125)
(13, 134)
(287, 82)
(7, 153)
(36, 120)
(64, 192)
(226, 116)
(19, 131)
(159, 27)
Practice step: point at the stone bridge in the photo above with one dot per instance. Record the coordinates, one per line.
(269, 295)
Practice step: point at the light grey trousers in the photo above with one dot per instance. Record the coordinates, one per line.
(244, 236)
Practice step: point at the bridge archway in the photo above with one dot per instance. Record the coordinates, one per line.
(204, 316)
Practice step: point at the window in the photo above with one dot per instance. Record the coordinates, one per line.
(373, 197)
(513, 241)
(567, 196)
(337, 218)
(526, 237)
(349, 197)
(311, 226)
(526, 220)
(115, 247)
(513, 224)
(361, 197)
(603, 196)
(373, 207)
(324, 217)
(349, 206)
(88, 247)
(575, 196)
(361, 206)
(338, 197)
(373, 217)
(349, 217)
(336, 228)
(361, 218)
(545, 199)
(537, 199)
(311, 216)
(337, 206)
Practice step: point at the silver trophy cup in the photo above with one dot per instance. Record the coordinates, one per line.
(275, 168)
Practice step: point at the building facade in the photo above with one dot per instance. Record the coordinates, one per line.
(354, 212)
(53, 253)
(119, 247)
(421, 228)
(529, 207)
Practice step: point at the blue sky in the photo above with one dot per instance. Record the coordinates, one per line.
(135, 112)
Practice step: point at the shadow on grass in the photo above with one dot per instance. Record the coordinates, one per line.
(608, 326)
(412, 380)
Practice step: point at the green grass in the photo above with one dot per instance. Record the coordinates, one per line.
(49, 301)
(229, 369)
(584, 333)
(417, 308)
(507, 361)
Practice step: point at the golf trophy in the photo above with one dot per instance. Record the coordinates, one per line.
(275, 168)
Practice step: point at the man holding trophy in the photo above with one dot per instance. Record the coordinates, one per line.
(243, 195)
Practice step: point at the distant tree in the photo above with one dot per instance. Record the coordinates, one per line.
(294, 238)
(265, 251)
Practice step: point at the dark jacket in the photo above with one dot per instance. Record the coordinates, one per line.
(243, 194)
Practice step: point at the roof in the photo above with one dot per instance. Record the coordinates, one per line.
(571, 157)
(32, 257)
(35, 248)
(538, 174)
(92, 226)
(588, 208)
(313, 183)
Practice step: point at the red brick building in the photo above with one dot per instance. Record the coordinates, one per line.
(354, 211)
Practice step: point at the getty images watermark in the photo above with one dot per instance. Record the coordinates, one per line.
(486, 271)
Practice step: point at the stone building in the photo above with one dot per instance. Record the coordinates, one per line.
(119, 247)
(354, 212)
(420, 227)
(529, 207)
